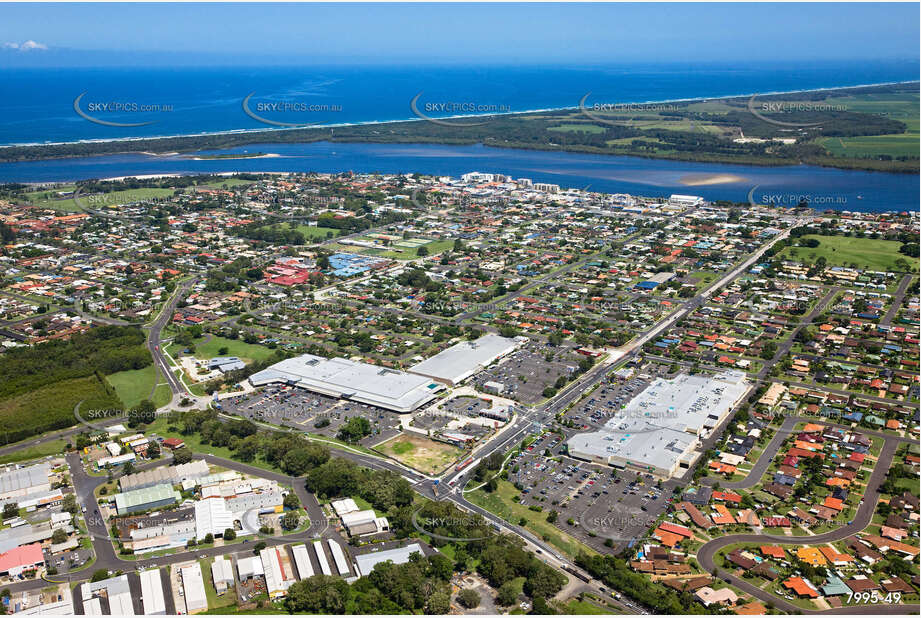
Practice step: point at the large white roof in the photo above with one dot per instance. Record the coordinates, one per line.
(399, 555)
(361, 382)
(463, 359)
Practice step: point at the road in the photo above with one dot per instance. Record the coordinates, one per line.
(155, 345)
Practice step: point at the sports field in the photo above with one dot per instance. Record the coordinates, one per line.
(862, 253)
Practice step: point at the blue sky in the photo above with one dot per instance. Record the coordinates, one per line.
(475, 33)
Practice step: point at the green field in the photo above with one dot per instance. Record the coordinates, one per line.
(52, 406)
(569, 128)
(47, 199)
(134, 386)
(397, 253)
(312, 233)
(902, 107)
(866, 253)
(54, 447)
(235, 347)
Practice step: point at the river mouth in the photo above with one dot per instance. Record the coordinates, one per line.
(827, 188)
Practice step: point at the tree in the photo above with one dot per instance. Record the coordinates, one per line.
(439, 602)
(290, 520)
(182, 456)
(354, 429)
(69, 504)
(290, 501)
(10, 510)
(469, 598)
(143, 413)
(99, 575)
(320, 594)
(508, 594)
(230, 534)
(422, 252)
(59, 536)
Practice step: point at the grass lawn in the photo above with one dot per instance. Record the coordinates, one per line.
(162, 395)
(420, 453)
(312, 233)
(575, 607)
(866, 253)
(214, 600)
(235, 347)
(500, 503)
(54, 447)
(135, 385)
(572, 128)
(47, 199)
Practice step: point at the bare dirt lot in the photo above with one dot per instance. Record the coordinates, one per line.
(420, 453)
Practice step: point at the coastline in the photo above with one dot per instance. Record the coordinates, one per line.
(414, 119)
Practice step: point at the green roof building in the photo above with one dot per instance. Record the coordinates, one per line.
(138, 500)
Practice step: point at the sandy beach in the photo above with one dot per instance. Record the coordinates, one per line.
(698, 180)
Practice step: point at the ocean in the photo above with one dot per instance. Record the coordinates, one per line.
(52, 105)
(39, 104)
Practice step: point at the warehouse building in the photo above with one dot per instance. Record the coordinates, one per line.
(389, 389)
(19, 559)
(302, 561)
(139, 500)
(221, 574)
(116, 592)
(400, 555)
(465, 359)
(152, 592)
(278, 573)
(321, 558)
(660, 430)
(212, 517)
(193, 586)
(164, 474)
(22, 482)
(342, 563)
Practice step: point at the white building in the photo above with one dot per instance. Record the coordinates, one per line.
(277, 576)
(17, 483)
(347, 379)
(462, 360)
(660, 429)
(399, 555)
(152, 592)
(321, 558)
(221, 574)
(193, 587)
(302, 561)
(115, 589)
(212, 517)
(342, 563)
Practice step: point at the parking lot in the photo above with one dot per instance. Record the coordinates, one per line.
(525, 373)
(595, 503)
(303, 410)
